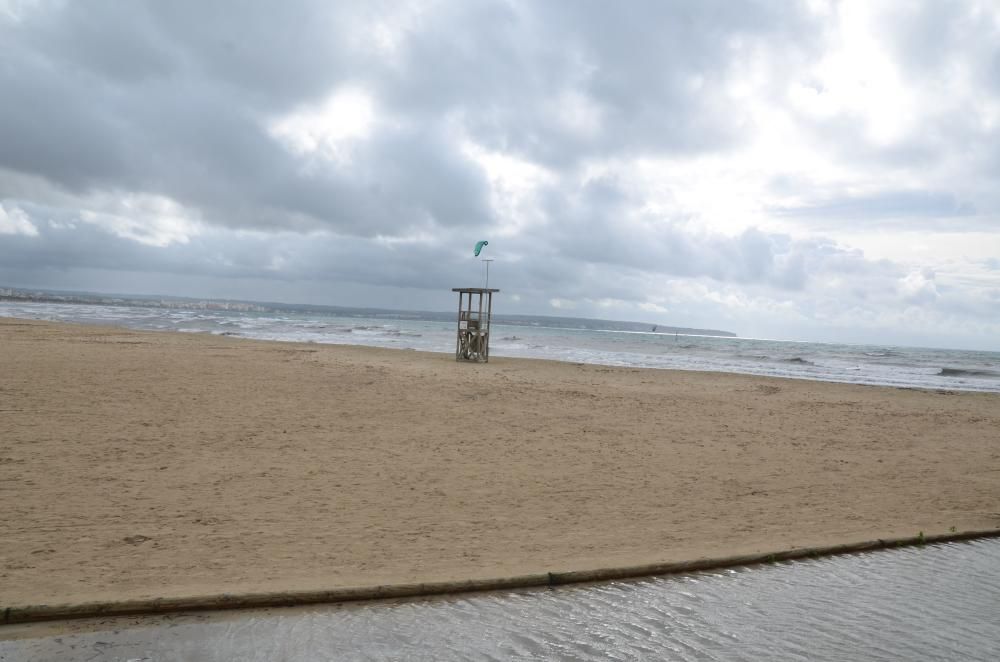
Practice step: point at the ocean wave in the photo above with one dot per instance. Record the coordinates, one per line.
(963, 372)
(882, 354)
(797, 360)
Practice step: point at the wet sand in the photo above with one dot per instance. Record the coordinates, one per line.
(930, 602)
(138, 464)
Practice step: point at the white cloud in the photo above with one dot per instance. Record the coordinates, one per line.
(918, 287)
(562, 304)
(515, 187)
(147, 219)
(651, 307)
(328, 129)
(578, 114)
(15, 221)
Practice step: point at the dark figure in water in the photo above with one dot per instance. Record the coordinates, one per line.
(654, 328)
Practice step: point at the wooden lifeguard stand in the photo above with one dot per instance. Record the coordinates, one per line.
(473, 342)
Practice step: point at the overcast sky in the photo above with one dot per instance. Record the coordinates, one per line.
(819, 171)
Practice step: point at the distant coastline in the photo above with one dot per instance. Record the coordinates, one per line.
(187, 303)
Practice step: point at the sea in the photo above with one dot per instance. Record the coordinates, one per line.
(561, 339)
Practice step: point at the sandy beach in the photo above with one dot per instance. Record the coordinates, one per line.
(142, 464)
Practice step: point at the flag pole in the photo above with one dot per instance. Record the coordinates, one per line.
(487, 262)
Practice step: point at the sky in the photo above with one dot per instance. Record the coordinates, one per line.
(812, 170)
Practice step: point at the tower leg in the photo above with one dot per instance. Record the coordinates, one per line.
(458, 335)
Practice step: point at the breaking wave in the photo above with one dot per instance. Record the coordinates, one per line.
(961, 372)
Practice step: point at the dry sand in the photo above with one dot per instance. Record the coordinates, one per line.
(137, 464)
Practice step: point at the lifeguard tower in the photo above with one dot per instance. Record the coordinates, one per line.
(473, 342)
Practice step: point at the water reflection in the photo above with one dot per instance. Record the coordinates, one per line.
(939, 602)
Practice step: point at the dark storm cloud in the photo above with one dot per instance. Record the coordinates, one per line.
(65, 241)
(172, 98)
(652, 73)
(596, 226)
(573, 259)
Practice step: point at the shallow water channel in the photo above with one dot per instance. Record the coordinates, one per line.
(938, 602)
